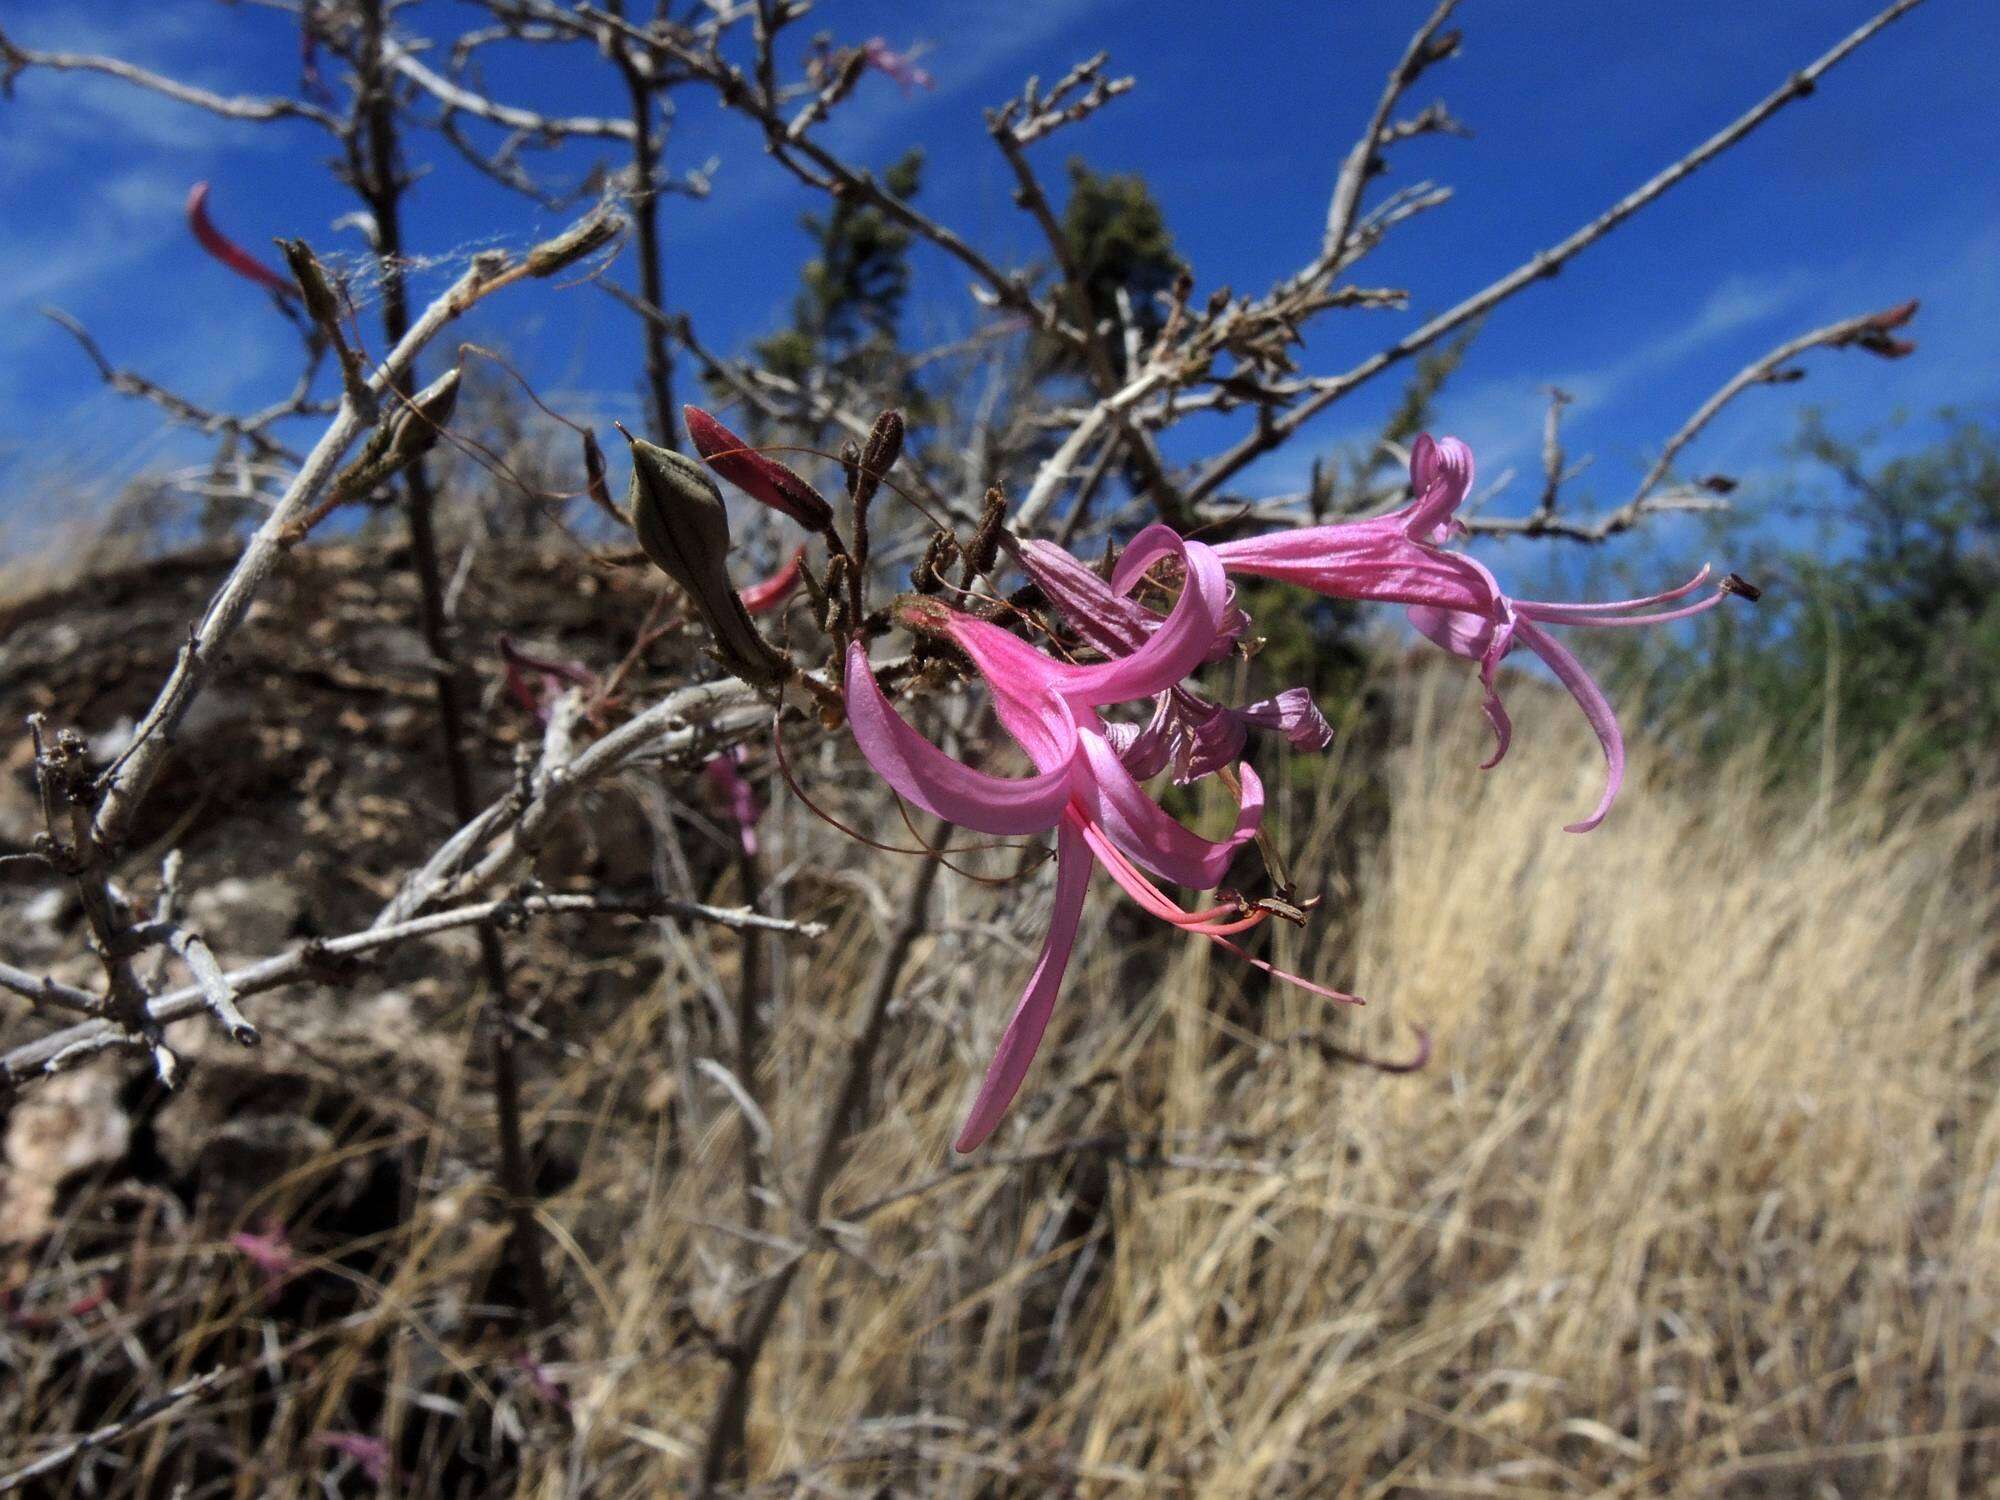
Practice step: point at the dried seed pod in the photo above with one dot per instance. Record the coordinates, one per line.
(596, 479)
(885, 446)
(322, 305)
(678, 514)
(414, 430)
(979, 557)
(836, 616)
(928, 575)
(573, 244)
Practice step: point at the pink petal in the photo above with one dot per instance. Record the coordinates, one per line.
(1183, 639)
(1457, 631)
(737, 795)
(1142, 829)
(1369, 560)
(1294, 714)
(1596, 708)
(1023, 1035)
(1024, 683)
(925, 775)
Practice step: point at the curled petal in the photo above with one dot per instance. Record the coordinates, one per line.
(226, 250)
(1441, 475)
(1023, 1035)
(1106, 619)
(1109, 618)
(1293, 714)
(1479, 639)
(1205, 738)
(925, 775)
(1596, 708)
(1182, 641)
(1144, 751)
(1143, 830)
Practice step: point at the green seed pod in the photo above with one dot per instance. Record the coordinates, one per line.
(414, 430)
(678, 514)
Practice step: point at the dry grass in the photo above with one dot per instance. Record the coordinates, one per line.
(1696, 1197)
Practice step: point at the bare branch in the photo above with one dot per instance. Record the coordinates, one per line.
(456, 97)
(1874, 332)
(1271, 434)
(15, 59)
(127, 781)
(1871, 331)
(319, 959)
(178, 407)
(1425, 49)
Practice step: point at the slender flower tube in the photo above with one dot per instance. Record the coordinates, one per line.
(1456, 602)
(1079, 788)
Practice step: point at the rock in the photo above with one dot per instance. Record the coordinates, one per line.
(246, 919)
(71, 1124)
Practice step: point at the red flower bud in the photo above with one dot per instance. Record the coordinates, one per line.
(758, 477)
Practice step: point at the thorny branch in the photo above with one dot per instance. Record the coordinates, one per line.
(1873, 332)
(326, 959)
(1269, 434)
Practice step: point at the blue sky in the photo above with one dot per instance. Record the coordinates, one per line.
(1879, 188)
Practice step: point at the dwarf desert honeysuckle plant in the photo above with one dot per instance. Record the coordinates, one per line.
(1051, 699)
(1049, 539)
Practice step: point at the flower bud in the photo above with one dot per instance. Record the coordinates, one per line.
(678, 515)
(758, 477)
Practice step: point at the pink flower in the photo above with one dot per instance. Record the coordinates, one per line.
(1080, 788)
(270, 1251)
(901, 66)
(370, 1454)
(226, 250)
(736, 795)
(1198, 737)
(1399, 559)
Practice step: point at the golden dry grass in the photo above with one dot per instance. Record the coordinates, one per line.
(1697, 1197)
